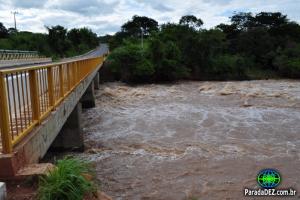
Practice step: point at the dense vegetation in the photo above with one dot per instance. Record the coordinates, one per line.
(265, 45)
(68, 181)
(57, 43)
(252, 46)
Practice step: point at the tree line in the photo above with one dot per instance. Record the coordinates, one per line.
(57, 43)
(252, 46)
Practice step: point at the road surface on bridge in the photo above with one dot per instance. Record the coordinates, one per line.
(99, 51)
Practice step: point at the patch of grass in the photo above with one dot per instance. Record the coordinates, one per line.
(67, 182)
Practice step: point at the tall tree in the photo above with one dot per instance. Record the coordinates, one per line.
(140, 25)
(270, 19)
(82, 37)
(242, 21)
(191, 21)
(57, 38)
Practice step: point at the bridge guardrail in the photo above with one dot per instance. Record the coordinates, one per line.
(18, 54)
(29, 94)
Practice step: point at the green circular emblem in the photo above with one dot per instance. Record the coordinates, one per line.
(268, 178)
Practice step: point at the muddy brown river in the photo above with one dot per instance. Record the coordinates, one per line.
(193, 140)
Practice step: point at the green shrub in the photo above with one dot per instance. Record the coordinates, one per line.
(67, 181)
(288, 62)
(229, 67)
(157, 61)
(167, 59)
(5, 44)
(289, 67)
(130, 63)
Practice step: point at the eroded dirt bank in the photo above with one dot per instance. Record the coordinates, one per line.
(204, 140)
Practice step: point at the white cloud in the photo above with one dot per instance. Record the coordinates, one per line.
(106, 16)
(28, 3)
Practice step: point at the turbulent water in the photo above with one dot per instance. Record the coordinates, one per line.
(193, 140)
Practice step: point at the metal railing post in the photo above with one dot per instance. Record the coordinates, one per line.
(61, 80)
(69, 75)
(34, 94)
(76, 72)
(4, 117)
(50, 86)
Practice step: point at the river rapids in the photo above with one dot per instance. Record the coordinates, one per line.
(193, 140)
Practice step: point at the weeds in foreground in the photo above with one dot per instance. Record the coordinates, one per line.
(67, 182)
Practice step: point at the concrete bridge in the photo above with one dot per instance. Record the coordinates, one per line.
(40, 106)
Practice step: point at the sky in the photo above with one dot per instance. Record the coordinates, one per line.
(107, 16)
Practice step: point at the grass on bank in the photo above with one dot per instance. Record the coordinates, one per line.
(68, 181)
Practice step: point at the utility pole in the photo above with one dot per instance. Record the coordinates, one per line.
(14, 13)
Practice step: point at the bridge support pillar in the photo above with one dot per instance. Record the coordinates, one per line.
(88, 98)
(97, 81)
(71, 135)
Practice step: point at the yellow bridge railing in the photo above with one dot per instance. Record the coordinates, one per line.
(29, 94)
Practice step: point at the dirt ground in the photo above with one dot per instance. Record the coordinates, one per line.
(25, 190)
(193, 140)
